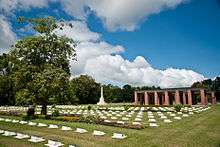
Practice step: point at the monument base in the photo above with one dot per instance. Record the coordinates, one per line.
(101, 101)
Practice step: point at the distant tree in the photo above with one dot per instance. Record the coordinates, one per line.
(149, 88)
(112, 93)
(207, 84)
(6, 83)
(216, 84)
(86, 89)
(216, 87)
(127, 92)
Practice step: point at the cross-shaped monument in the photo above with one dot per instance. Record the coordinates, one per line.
(101, 99)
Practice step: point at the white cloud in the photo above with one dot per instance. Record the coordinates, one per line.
(116, 69)
(7, 37)
(75, 8)
(78, 32)
(7, 7)
(90, 45)
(89, 50)
(119, 14)
(103, 62)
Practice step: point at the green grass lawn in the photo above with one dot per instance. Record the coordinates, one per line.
(202, 130)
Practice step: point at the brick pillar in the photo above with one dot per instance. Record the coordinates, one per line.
(135, 98)
(189, 97)
(156, 98)
(146, 98)
(206, 99)
(213, 98)
(177, 97)
(203, 97)
(184, 98)
(166, 102)
(162, 103)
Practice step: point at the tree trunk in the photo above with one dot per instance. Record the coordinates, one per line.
(44, 109)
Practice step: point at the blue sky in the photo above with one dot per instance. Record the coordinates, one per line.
(186, 36)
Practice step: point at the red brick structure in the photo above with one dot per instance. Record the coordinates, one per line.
(170, 96)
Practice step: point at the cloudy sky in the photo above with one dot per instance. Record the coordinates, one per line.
(166, 43)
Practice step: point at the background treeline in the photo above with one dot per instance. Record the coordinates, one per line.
(209, 84)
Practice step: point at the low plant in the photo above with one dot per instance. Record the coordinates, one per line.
(126, 125)
(29, 117)
(90, 119)
(66, 118)
(89, 107)
(30, 111)
(11, 113)
(53, 106)
(47, 117)
(126, 107)
(178, 107)
(56, 113)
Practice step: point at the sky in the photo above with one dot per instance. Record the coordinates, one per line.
(166, 43)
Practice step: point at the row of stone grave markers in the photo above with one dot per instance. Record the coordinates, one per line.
(133, 116)
(33, 139)
(37, 139)
(63, 128)
(84, 107)
(161, 113)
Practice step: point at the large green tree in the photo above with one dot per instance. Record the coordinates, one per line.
(50, 87)
(44, 62)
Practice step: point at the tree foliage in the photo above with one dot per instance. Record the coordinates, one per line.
(6, 82)
(46, 48)
(213, 85)
(43, 61)
(86, 89)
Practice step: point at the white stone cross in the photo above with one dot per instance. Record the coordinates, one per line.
(101, 99)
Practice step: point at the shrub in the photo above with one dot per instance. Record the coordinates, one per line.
(178, 107)
(41, 116)
(47, 117)
(71, 119)
(11, 113)
(53, 106)
(126, 107)
(30, 111)
(67, 118)
(89, 107)
(126, 125)
(56, 113)
(29, 117)
(90, 119)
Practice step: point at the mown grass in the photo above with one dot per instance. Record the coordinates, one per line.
(202, 130)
